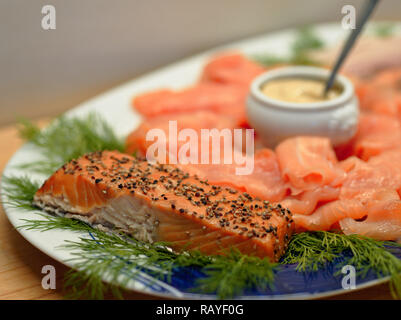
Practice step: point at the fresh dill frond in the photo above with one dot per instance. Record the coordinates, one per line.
(313, 250)
(19, 191)
(308, 251)
(49, 222)
(231, 274)
(27, 129)
(305, 40)
(68, 138)
(85, 284)
(117, 258)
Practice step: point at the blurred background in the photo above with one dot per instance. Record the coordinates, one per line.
(99, 44)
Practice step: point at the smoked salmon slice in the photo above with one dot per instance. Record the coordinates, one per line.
(308, 163)
(232, 68)
(370, 193)
(381, 224)
(264, 181)
(326, 216)
(155, 202)
(380, 172)
(306, 202)
(381, 205)
(381, 94)
(376, 134)
(195, 121)
(222, 89)
(227, 100)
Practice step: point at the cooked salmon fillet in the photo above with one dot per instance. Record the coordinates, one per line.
(155, 202)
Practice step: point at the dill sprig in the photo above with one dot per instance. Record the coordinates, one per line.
(49, 222)
(306, 40)
(229, 275)
(81, 282)
(119, 259)
(313, 250)
(19, 191)
(68, 138)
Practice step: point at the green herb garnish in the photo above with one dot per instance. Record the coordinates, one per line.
(68, 138)
(229, 275)
(305, 41)
(19, 191)
(312, 250)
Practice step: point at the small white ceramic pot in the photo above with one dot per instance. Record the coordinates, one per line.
(275, 120)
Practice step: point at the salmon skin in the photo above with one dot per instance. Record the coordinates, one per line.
(154, 202)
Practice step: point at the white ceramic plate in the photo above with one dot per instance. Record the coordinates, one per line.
(115, 106)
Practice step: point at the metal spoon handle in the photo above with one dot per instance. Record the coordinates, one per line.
(371, 4)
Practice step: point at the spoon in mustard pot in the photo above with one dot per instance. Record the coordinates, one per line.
(366, 13)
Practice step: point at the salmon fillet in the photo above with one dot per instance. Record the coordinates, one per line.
(155, 202)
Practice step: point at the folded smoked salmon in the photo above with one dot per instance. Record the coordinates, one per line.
(155, 202)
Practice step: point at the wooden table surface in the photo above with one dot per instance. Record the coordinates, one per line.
(21, 263)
